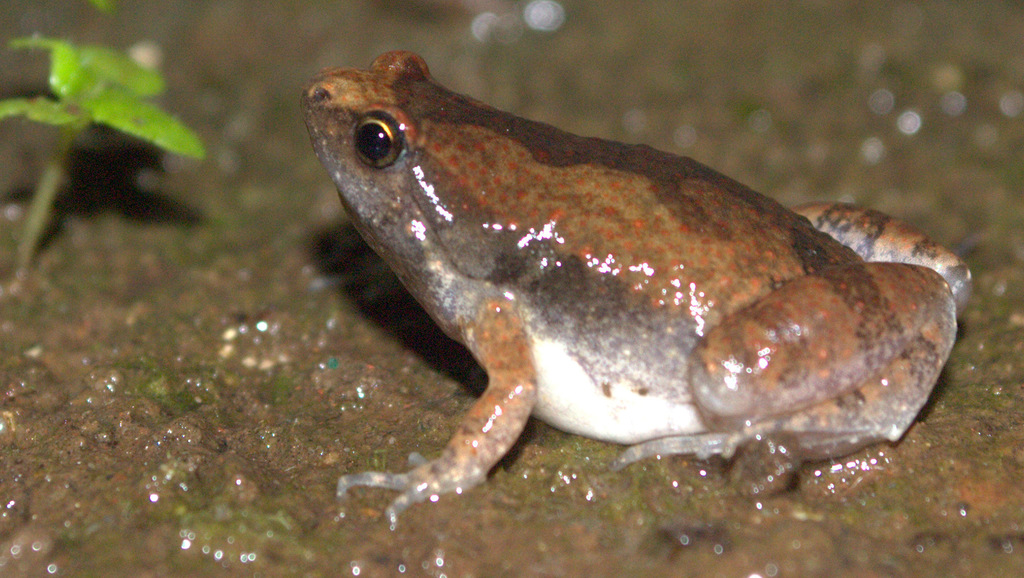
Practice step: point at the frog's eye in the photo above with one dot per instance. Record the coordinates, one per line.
(378, 140)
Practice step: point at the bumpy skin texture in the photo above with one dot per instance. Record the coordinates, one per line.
(624, 293)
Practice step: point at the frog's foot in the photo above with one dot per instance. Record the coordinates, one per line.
(426, 481)
(702, 446)
(384, 480)
(877, 237)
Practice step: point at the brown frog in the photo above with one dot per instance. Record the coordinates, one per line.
(627, 294)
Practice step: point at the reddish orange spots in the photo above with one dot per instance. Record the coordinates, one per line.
(608, 233)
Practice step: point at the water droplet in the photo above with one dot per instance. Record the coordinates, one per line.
(544, 15)
(881, 101)
(909, 122)
(953, 103)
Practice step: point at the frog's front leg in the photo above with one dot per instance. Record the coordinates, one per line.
(835, 360)
(490, 428)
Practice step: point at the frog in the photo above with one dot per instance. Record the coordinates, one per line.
(627, 294)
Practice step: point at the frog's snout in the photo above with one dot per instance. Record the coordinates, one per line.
(318, 94)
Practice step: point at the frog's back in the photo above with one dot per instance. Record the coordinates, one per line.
(656, 225)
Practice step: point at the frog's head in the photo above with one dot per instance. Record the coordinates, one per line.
(369, 130)
(361, 135)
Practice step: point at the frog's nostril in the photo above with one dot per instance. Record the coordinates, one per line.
(319, 94)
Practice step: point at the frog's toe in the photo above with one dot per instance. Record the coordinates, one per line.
(412, 492)
(411, 495)
(385, 480)
(372, 479)
(702, 446)
(426, 481)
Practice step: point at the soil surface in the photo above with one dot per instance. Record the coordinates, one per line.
(202, 348)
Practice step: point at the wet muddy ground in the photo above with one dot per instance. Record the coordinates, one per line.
(202, 350)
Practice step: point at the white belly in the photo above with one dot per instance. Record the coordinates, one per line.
(569, 399)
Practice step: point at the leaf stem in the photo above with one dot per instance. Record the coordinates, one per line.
(41, 208)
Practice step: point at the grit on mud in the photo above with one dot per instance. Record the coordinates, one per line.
(196, 357)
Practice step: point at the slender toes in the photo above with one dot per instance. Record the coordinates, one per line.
(702, 446)
(373, 480)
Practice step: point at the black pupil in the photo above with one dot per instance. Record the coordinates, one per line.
(374, 141)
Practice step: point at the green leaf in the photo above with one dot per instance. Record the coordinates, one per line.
(118, 68)
(104, 5)
(35, 42)
(67, 78)
(40, 110)
(76, 71)
(125, 112)
(100, 85)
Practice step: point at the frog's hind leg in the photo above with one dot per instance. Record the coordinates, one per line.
(834, 361)
(879, 238)
(880, 409)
